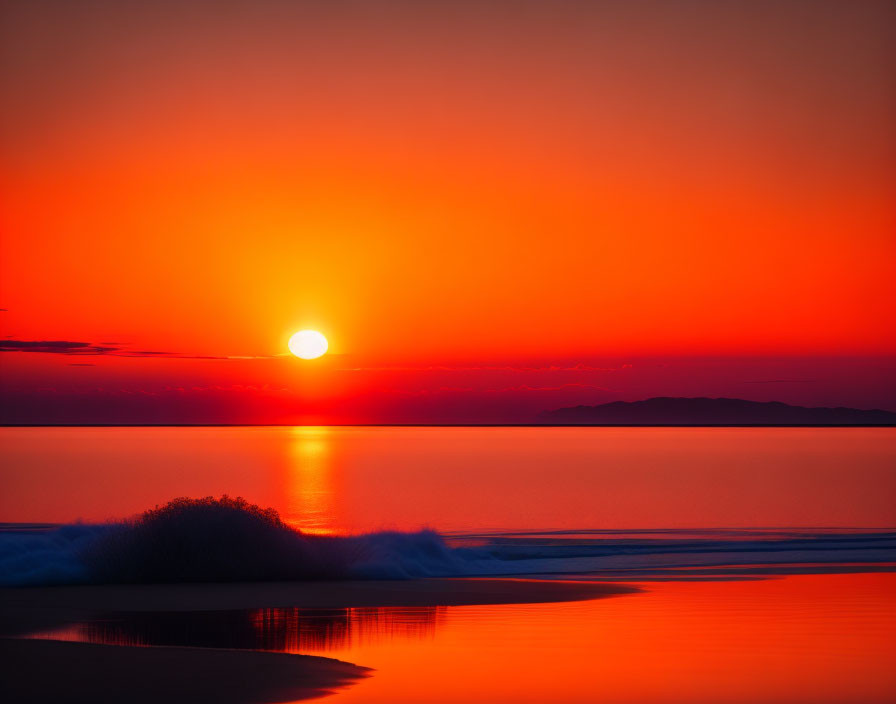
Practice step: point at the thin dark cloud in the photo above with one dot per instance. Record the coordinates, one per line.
(523, 388)
(77, 348)
(56, 347)
(491, 368)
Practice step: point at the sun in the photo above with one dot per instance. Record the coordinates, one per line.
(308, 344)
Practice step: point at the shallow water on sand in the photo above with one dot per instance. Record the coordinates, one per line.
(807, 638)
(799, 639)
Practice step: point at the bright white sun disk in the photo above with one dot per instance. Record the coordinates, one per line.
(308, 344)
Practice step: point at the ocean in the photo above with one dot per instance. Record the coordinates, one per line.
(749, 564)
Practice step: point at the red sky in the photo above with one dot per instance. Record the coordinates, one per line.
(488, 208)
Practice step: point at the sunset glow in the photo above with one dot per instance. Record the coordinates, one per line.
(565, 197)
(448, 352)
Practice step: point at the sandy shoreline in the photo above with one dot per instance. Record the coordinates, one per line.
(53, 671)
(31, 608)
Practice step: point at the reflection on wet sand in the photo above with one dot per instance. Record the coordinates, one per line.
(288, 630)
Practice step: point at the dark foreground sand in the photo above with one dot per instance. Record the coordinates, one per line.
(52, 671)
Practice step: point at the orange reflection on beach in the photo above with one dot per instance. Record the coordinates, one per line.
(819, 639)
(324, 630)
(284, 630)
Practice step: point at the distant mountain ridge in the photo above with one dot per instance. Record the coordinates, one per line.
(666, 410)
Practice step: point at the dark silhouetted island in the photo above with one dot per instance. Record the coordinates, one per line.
(712, 411)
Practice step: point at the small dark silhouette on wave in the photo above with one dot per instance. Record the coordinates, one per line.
(712, 411)
(213, 540)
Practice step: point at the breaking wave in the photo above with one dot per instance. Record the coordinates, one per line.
(211, 540)
(230, 540)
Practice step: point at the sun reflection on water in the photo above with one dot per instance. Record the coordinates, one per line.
(310, 488)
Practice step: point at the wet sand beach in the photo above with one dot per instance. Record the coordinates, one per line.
(46, 670)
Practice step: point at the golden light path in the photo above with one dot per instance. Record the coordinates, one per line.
(308, 344)
(310, 490)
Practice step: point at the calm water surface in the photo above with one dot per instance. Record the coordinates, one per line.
(462, 479)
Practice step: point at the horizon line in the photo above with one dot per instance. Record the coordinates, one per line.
(448, 425)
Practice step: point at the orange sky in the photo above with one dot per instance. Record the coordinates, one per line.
(434, 182)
